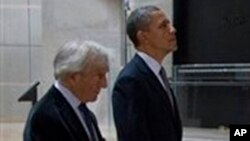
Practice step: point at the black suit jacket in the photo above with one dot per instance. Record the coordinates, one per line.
(53, 119)
(142, 110)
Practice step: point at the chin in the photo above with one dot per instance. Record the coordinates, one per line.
(175, 48)
(94, 99)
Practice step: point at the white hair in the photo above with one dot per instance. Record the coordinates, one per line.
(74, 57)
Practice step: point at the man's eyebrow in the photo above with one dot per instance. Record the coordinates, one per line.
(165, 21)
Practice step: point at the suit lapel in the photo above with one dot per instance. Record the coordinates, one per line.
(68, 116)
(153, 80)
(177, 113)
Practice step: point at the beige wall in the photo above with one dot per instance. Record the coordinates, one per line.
(20, 57)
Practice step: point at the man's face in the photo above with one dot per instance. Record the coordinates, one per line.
(161, 34)
(88, 84)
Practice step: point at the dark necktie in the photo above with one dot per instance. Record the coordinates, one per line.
(167, 86)
(88, 120)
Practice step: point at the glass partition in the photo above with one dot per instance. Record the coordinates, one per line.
(213, 95)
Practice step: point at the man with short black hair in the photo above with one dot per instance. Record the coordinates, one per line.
(144, 105)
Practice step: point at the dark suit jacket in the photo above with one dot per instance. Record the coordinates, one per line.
(53, 119)
(142, 110)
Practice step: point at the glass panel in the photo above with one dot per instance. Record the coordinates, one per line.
(213, 95)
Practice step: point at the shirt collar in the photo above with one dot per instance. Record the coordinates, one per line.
(151, 62)
(68, 95)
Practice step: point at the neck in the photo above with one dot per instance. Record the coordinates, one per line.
(158, 56)
(70, 87)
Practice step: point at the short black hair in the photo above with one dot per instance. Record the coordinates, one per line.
(139, 19)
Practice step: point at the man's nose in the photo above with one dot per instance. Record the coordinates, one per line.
(172, 29)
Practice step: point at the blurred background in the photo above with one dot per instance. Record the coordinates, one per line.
(209, 73)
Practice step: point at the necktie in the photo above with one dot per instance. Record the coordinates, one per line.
(88, 120)
(167, 86)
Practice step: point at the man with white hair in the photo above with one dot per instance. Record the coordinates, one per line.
(62, 115)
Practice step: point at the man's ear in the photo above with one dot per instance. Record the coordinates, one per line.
(71, 77)
(142, 37)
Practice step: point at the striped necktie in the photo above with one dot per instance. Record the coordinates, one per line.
(88, 120)
(167, 86)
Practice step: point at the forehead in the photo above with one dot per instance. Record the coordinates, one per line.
(99, 68)
(158, 16)
(103, 68)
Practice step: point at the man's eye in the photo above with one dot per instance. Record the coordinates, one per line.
(163, 25)
(101, 75)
